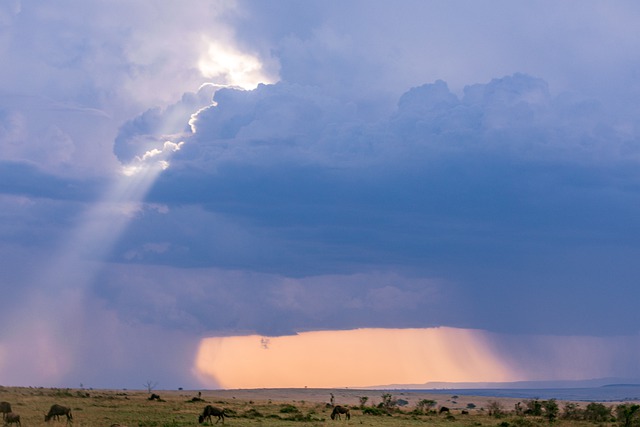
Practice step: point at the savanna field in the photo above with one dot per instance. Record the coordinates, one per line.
(309, 407)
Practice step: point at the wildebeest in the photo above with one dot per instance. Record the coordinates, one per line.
(5, 408)
(340, 410)
(444, 409)
(57, 410)
(12, 418)
(211, 411)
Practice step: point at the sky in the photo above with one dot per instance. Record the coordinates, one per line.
(219, 194)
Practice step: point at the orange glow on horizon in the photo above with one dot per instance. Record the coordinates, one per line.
(352, 358)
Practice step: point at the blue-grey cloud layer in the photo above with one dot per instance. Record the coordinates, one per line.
(515, 197)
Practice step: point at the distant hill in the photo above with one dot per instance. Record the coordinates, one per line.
(589, 383)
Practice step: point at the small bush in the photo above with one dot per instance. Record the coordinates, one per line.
(363, 401)
(597, 412)
(301, 417)
(61, 393)
(251, 413)
(425, 405)
(289, 409)
(402, 402)
(230, 413)
(374, 411)
(494, 408)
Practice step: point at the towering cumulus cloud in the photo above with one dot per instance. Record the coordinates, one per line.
(487, 197)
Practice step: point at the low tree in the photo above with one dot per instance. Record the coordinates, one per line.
(597, 412)
(571, 411)
(551, 409)
(426, 404)
(494, 408)
(388, 402)
(150, 385)
(534, 407)
(627, 414)
(363, 401)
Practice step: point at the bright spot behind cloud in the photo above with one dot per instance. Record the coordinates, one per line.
(229, 67)
(361, 357)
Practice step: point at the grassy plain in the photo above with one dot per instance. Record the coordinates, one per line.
(262, 407)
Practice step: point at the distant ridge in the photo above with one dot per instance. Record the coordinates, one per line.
(588, 383)
(623, 385)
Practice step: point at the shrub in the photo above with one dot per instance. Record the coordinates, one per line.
(299, 416)
(288, 409)
(363, 401)
(374, 411)
(388, 402)
(550, 409)
(61, 393)
(571, 411)
(251, 413)
(402, 402)
(597, 412)
(494, 408)
(627, 414)
(534, 407)
(425, 405)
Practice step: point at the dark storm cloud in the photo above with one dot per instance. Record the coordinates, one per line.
(513, 195)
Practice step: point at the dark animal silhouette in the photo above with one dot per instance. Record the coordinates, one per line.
(211, 411)
(464, 412)
(340, 410)
(444, 409)
(57, 410)
(12, 418)
(5, 408)
(155, 397)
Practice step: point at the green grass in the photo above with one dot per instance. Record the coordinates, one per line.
(103, 408)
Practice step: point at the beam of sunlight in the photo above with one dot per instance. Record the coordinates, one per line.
(352, 358)
(55, 305)
(53, 316)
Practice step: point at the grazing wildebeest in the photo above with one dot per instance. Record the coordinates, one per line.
(12, 418)
(444, 409)
(340, 410)
(5, 408)
(211, 411)
(57, 410)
